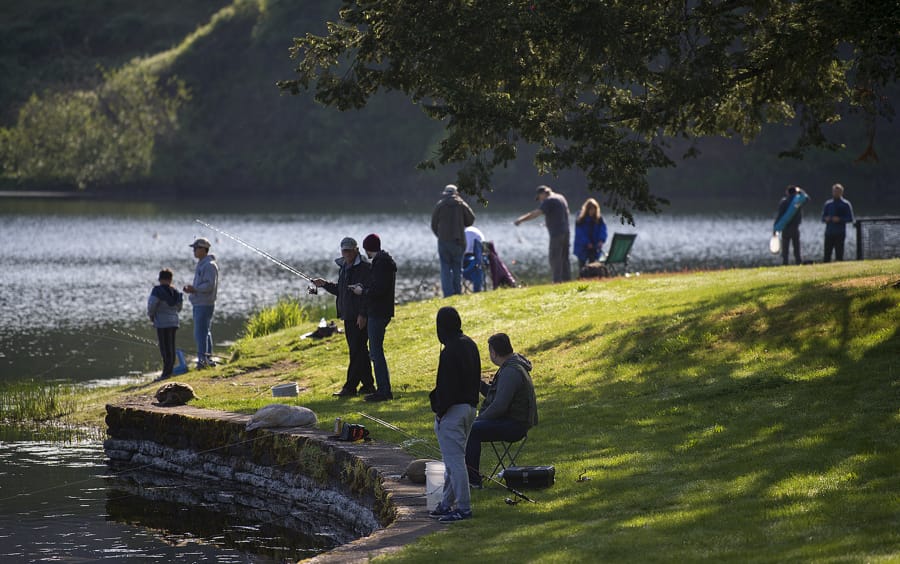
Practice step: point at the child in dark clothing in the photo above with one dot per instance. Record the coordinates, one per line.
(162, 307)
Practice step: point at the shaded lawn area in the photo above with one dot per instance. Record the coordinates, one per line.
(743, 415)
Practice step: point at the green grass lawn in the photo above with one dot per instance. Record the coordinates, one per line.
(741, 415)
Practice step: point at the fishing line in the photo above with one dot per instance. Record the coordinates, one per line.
(258, 251)
(402, 432)
(138, 338)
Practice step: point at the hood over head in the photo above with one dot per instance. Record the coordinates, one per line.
(449, 324)
(516, 358)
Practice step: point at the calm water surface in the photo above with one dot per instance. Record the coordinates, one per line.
(74, 277)
(60, 502)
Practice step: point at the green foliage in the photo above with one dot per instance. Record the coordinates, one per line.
(604, 87)
(93, 137)
(237, 133)
(285, 314)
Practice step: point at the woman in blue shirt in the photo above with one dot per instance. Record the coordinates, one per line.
(590, 232)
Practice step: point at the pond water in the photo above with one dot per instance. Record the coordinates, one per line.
(74, 280)
(60, 502)
(75, 276)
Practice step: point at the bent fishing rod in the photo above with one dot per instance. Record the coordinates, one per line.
(258, 251)
(436, 450)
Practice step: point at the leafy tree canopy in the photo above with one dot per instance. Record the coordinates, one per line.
(605, 86)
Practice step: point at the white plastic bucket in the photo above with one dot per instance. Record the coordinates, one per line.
(434, 484)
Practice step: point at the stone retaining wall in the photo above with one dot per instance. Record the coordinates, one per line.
(354, 487)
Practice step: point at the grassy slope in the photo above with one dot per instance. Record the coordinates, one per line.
(743, 415)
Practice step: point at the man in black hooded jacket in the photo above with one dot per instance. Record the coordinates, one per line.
(453, 401)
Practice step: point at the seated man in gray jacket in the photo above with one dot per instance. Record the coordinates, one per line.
(509, 408)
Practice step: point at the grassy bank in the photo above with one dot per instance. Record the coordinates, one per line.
(745, 415)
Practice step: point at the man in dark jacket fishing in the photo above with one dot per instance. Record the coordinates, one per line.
(352, 309)
(453, 401)
(509, 408)
(378, 291)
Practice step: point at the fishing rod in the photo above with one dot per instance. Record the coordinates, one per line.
(258, 251)
(432, 447)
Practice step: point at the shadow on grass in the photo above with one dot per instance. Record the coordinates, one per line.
(749, 429)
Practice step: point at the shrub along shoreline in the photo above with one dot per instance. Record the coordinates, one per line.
(732, 415)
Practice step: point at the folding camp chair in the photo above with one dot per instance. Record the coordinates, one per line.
(505, 455)
(619, 249)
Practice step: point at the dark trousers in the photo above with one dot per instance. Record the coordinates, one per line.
(559, 258)
(166, 337)
(360, 368)
(487, 430)
(790, 238)
(834, 242)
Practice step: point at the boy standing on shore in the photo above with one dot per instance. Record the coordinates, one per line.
(163, 306)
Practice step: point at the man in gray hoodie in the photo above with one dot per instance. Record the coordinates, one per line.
(509, 408)
(203, 298)
(449, 220)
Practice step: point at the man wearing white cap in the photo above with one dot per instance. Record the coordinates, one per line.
(449, 220)
(203, 298)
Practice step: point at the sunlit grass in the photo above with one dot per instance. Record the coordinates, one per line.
(746, 415)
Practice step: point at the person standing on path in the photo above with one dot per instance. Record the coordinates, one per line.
(203, 299)
(449, 220)
(453, 401)
(163, 306)
(555, 208)
(378, 290)
(352, 310)
(790, 235)
(836, 214)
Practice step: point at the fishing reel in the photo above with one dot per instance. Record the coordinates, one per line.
(312, 290)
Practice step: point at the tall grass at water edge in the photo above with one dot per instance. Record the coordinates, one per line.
(34, 402)
(744, 415)
(287, 313)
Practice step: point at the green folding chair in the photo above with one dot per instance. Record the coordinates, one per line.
(619, 249)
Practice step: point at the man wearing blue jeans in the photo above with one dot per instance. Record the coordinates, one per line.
(378, 290)
(449, 220)
(453, 401)
(203, 298)
(509, 408)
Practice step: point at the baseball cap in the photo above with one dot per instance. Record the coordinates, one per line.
(201, 242)
(542, 190)
(450, 189)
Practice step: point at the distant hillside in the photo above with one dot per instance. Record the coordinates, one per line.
(236, 135)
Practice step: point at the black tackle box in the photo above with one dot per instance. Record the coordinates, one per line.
(529, 476)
